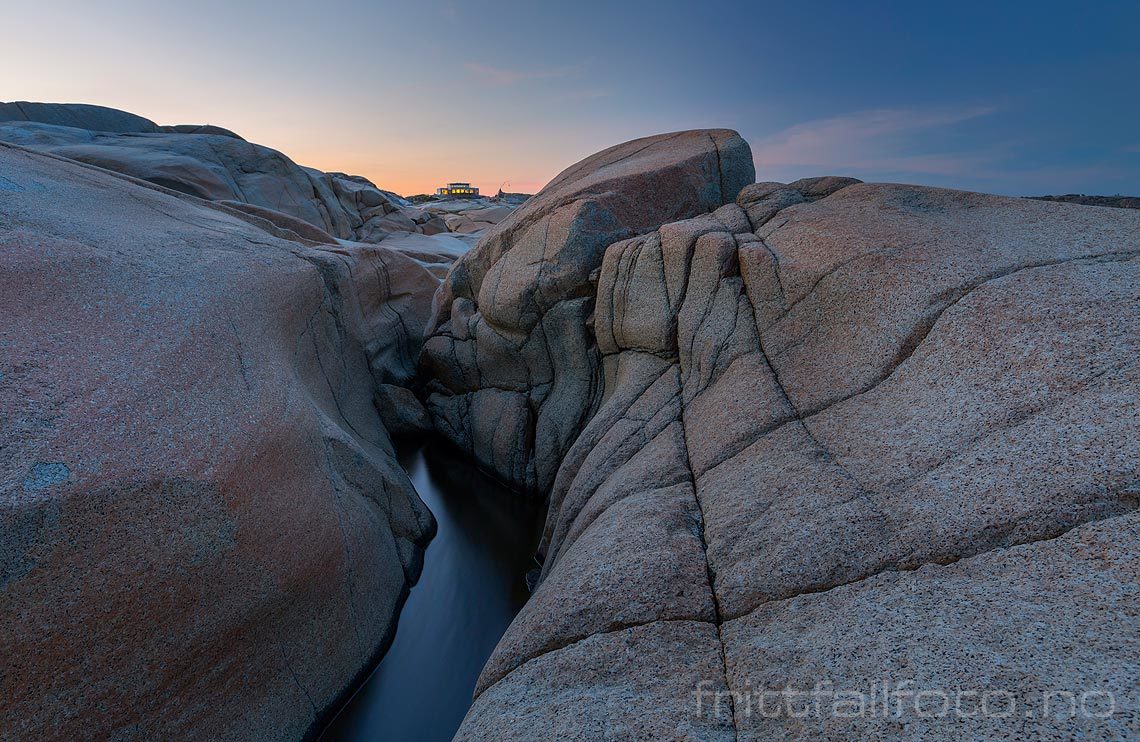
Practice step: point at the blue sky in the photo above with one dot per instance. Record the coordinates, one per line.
(1006, 97)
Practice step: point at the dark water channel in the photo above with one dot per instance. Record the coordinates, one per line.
(473, 584)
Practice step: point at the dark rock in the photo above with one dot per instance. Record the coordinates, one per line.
(199, 129)
(401, 412)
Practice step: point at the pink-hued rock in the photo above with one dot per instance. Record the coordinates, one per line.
(203, 530)
(822, 434)
(633, 683)
(208, 162)
(1041, 634)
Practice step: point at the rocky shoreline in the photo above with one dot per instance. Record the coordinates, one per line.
(825, 432)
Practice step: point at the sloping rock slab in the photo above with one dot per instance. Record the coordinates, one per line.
(210, 163)
(203, 530)
(870, 382)
(632, 684)
(1030, 642)
(79, 116)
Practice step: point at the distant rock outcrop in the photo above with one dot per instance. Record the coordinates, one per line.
(840, 432)
(199, 129)
(1119, 202)
(78, 116)
(216, 168)
(204, 533)
(216, 164)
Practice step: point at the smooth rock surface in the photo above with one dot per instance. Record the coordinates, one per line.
(209, 166)
(216, 164)
(203, 530)
(1039, 636)
(79, 116)
(629, 684)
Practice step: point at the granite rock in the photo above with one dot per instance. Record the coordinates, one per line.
(211, 163)
(906, 418)
(204, 532)
(511, 321)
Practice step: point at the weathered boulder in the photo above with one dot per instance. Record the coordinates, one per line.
(512, 363)
(628, 684)
(299, 227)
(204, 532)
(857, 432)
(212, 167)
(401, 411)
(438, 248)
(435, 251)
(208, 162)
(387, 296)
(1030, 642)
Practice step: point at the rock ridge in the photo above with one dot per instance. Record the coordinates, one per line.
(823, 392)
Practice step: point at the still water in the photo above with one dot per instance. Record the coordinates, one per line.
(473, 584)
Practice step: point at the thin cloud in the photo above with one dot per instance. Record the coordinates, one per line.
(502, 77)
(868, 140)
(1135, 148)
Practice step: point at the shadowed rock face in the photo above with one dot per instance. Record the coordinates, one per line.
(1120, 202)
(203, 529)
(512, 364)
(841, 431)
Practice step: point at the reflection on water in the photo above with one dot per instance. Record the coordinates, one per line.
(472, 586)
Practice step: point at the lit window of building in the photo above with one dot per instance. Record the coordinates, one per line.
(457, 189)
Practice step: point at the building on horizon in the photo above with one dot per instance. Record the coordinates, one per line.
(464, 190)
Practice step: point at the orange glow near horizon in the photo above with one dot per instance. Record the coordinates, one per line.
(413, 95)
(396, 125)
(407, 165)
(413, 165)
(409, 178)
(405, 157)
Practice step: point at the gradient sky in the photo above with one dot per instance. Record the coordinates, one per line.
(1006, 97)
